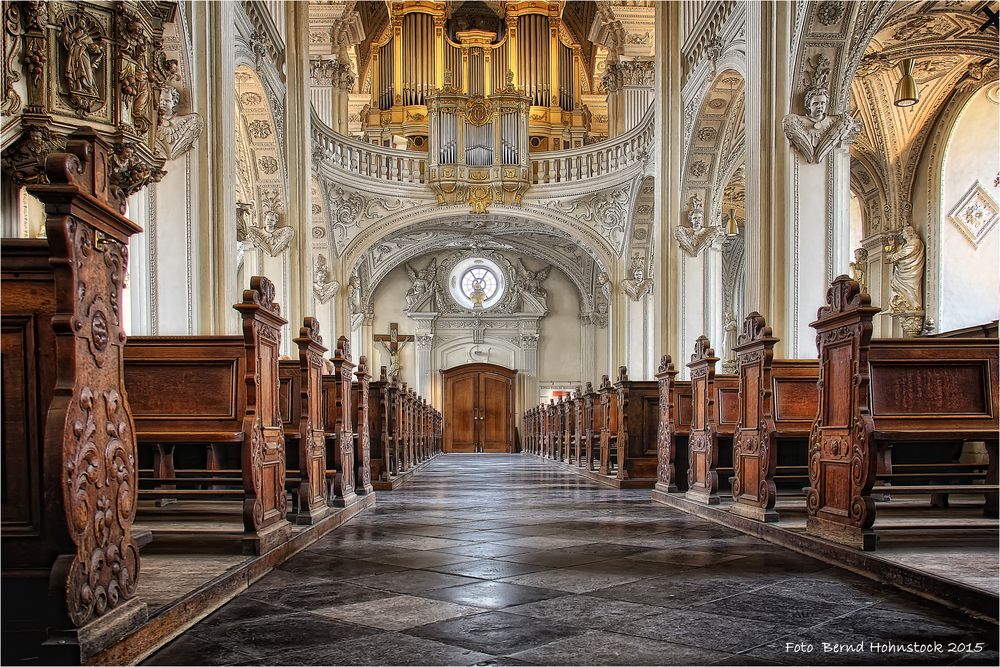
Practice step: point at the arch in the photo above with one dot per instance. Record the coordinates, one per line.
(542, 218)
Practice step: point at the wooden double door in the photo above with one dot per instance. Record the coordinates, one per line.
(478, 408)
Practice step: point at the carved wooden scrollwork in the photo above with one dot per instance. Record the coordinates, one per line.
(665, 471)
(89, 437)
(703, 454)
(842, 459)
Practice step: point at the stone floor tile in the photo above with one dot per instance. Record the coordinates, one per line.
(486, 568)
(497, 633)
(492, 594)
(583, 611)
(597, 647)
(412, 582)
(572, 581)
(390, 648)
(398, 612)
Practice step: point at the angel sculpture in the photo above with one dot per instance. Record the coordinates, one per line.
(421, 282)
(531, 281)
(324, 287)
(270, 238)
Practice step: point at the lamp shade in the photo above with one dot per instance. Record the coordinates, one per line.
(906, 89)
(732, 227)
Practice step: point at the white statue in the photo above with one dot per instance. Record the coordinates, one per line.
(906, 281)
(354, 295)
(817, 133)
(270, 237)
(177, 132)
(421, 282)
(695, 237)
(638, 285)
(324, 288)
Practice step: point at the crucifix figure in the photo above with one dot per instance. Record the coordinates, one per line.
(393, 343)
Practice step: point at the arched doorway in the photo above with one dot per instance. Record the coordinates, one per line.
(478, 408)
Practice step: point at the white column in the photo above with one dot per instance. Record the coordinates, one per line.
(425, 365)
(137, 311)
(213, 35)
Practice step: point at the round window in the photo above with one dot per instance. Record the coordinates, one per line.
(477, 283)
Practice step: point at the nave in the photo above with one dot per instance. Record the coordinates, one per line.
(508, 560)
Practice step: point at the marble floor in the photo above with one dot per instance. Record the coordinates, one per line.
(505, 560)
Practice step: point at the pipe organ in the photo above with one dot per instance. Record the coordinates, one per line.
(478, 145)
(479, 50)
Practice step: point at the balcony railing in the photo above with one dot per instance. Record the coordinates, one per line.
(596, 160)
(398, 166)
(368, 160)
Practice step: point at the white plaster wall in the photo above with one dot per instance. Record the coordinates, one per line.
(559, 343)
(970, 278)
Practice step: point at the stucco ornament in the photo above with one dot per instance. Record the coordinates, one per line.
(638, 285)
(270, 238)
(176, 132)
(324, 287)
(695, 237)
(818, 132)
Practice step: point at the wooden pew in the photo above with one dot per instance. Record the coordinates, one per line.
(337, 422)
(527, 421)
(778, 404)
(564, 431)
(898, 391)
(360, 406)
(383, 465)
(597, 426)
(675, 406)
(301, 400)
(69, 569)
(217, 393)
(638, 420)
(715, 401)
(609, 423)
(579, 426)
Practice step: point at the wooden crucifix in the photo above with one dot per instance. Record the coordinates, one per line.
(393, 343)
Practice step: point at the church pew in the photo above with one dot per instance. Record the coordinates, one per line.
(337, 424)
(597, 426)
(528, 421)
(360, 424)
(68, 438)
(889, 391)
(778, 403)
(715, 403)
(217, 393)
(637, 408)
(301, 400)
(379, 428)
(579, 425)
(609, 424)
(547, 427)
(566, 423)
(673, 430)
(987, 330)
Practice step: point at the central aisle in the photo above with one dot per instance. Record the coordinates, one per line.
(505, 559)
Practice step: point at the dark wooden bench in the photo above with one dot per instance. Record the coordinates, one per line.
(70, 558)
(673, 429)
(892, 391)
(217, 393)
(715, 406)
(338, 425)
(360, 406)
(593, 425)
(778, 400)
(383, 464)
(638, 421)
(609, 425)
(301, 400)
